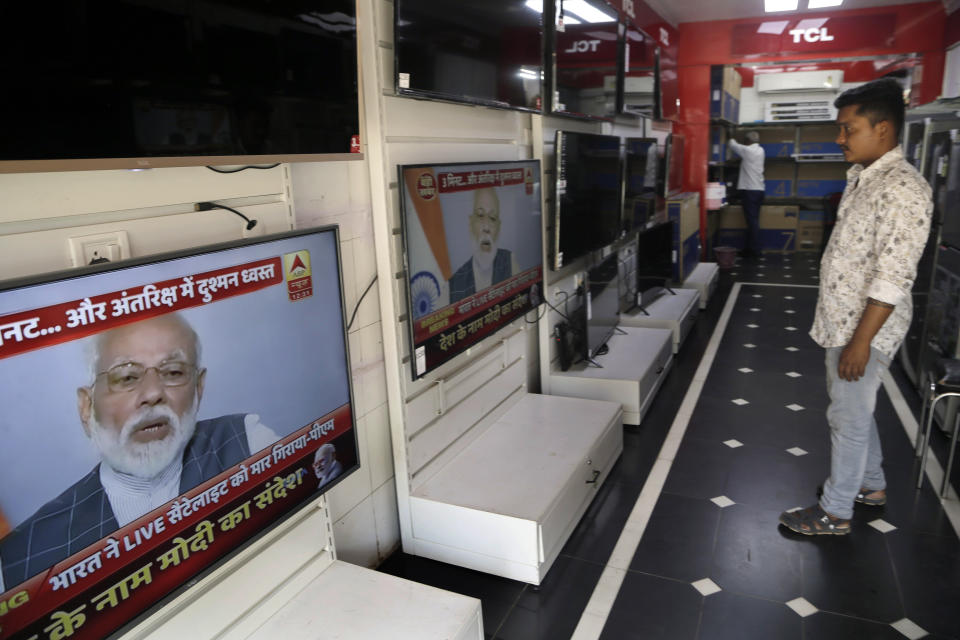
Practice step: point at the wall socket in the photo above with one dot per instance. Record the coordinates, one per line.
(98, 248)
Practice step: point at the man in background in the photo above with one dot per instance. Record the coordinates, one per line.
(751, 187)
(325, 464)
(864, 306)
(489, 263)
(140, 412)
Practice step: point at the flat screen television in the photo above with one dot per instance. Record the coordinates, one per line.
(473, 241)
(587, 60)
(480, 51)
(603, 304)
(160, 413)
(133, 84)
(654, 262)
(587, 209)
(640, 93)
(641, 177)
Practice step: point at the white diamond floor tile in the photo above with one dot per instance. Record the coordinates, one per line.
(758, 295)
(795, 407)
(793, 374)
(792, 349)
(882, 525)
(706, 587)
(790, 328)
(745, 370)
(740, 401)
(752, 326)
(733, 443)
(754, 309)
(802, 607)
(759, 275)
(734, 273)
(722, 501)
(909, 629)
(749, 345)
(786, 267)
(788, 297)
(789, 311)
(797, 451)
(787, 275)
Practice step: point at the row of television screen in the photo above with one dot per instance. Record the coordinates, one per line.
(473, 236)
(607, 186)
(597, 63)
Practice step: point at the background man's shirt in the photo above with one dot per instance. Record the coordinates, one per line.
(882, 228)
(751, 165)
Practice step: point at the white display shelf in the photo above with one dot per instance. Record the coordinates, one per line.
(704, 279)
(507, 503)
(630, 373)
(676, 311)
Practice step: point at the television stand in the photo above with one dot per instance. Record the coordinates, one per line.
(633, 369)
(677, 312)
(703, 278)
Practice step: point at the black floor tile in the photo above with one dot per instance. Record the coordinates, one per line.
(652, 608)
(775, 480)
(700, 468)
(729, 616)
(928, 568)
(597, 532)
(830, 626)
(679, 538)
(753, 557)
(554, 609)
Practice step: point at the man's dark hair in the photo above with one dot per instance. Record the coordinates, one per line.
(877, 100)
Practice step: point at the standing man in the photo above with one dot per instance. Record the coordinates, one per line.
(864, 306)
(751, 187)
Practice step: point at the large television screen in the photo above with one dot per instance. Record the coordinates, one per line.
(473, 241)
(478, 51)
(587, 208)
(654, 261)
(642, 175)
(156, 416)
(603, 303)
(126, 79)
(587, 60)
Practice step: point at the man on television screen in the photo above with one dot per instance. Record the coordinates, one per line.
(489, 263)
(140, 412)
(325, 464)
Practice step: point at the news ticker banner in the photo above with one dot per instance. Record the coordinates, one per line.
(98, 590)
(46, 326)
(445, 333)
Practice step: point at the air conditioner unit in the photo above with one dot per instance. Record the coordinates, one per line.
(799, 81)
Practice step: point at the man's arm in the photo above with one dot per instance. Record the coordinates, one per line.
(735, 146)
(902, 230)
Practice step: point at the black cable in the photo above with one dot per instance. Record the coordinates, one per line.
(562, 315)
(207, 206)
(249, 166)
(357, 307)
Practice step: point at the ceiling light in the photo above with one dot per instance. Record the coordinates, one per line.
(773, 27)
(821, 4)
(812, 23)
(587, 12)
(771, 6)
(536, 5)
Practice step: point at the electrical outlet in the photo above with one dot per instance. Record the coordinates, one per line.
(99, 247)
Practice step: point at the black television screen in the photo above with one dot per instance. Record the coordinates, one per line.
(473, 239)
(587, 60)
(641, 168)
(127, 79)
(479, 51)
(587, 205)
(159, 414)
(641, 78)
(603, 303)
(654, 260)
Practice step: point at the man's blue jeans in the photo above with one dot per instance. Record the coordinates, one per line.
(855, 459)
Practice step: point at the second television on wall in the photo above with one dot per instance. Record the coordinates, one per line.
(472, 236)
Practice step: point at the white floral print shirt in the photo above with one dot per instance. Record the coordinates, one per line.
(882, 227)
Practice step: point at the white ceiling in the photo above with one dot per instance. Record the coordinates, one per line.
(677, 11)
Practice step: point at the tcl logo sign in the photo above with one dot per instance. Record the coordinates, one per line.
(817, 34)
(583, 46)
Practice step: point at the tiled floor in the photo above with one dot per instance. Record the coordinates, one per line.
(756, 444)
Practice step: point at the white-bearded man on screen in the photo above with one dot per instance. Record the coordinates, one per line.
(140, 412)
(325, 464)
(489, 264)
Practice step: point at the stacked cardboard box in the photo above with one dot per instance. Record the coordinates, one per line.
(810, 230)
(731, 228)
(778, 142)
(817, 179)
(725, 93)
(778, 228)
(778, 179)
(718, 143)
(819, 140)
(684, 211)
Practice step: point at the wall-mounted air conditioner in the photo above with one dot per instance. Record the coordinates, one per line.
(799, 81)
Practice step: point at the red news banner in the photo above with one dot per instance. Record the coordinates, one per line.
(28, 330)
(101, 588)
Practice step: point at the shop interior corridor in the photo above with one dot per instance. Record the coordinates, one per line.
(682, 541)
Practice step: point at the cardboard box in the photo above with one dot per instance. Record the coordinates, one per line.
(731, 228)
(725, 84)
(778, 142)
(821, 179)
(778, 228)
(718, 143)
(810, 230)
(778, 179)
(731, 217)
(684, 211)
(819, 140)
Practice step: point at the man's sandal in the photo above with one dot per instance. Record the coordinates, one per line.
(863, 497)
(814, 521)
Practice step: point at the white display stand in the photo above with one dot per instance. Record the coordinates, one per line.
(630, 373)
(704, 279)
(675, 311)
(507, 503)
(288, 584)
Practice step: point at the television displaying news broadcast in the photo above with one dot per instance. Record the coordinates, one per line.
(156, 415)
(473, 241)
